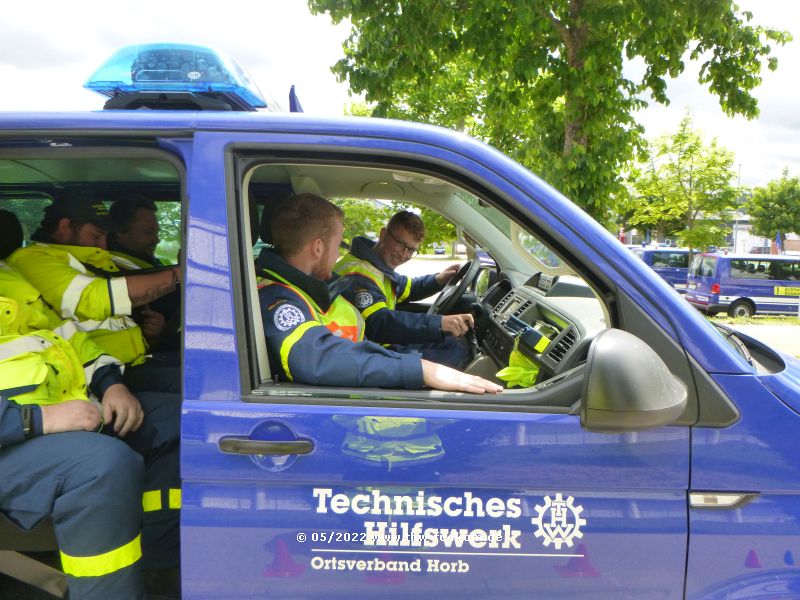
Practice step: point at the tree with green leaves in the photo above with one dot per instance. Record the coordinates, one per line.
(362, 217)
(685, 187)
(543, 80)
(775, 208)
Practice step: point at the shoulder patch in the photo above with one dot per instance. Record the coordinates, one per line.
(288, 316)
(363, 299)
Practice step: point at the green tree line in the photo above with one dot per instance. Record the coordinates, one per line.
(545, 81)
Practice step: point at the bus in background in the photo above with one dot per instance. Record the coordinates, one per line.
(672, 264)
(744, 284)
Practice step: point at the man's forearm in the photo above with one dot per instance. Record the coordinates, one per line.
(143, 289)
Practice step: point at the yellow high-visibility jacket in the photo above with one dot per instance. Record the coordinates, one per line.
(98, 305)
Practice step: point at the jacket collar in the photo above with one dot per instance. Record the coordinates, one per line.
(316, 288)
(363, 248)
(115, 247)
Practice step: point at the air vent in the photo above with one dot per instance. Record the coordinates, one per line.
(559, 350)
(522, 308)
(498, 309)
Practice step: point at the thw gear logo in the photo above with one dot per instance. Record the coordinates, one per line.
(288, 316)
(363, 299)
(558, 521)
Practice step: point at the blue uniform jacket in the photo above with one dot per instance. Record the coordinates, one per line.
(318, 357)
(387, 326)
(11, 429)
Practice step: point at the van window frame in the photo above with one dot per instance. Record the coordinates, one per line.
(243, 158)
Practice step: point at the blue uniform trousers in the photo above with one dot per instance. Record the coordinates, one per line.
(91, 485)
(157, 441)
(161, 372)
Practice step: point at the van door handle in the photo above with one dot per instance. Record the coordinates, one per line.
(238, 445)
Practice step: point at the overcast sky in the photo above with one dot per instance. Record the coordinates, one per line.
(49, 48)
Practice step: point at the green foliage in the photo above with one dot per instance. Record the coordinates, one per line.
(358, 109)
(169, 223)
(684, 188)
(362, 217)
(776, 207)
(29, 211)
(543, 80)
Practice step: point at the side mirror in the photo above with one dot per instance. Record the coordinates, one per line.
(627, 386)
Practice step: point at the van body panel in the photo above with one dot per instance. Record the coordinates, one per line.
(759, 455)
(255, 510)
(503, 500)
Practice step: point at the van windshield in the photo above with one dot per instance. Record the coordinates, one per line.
(703, 266)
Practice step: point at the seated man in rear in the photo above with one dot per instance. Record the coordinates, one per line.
(374, 287)
(82, 281)
(49, 376)
(134, 239)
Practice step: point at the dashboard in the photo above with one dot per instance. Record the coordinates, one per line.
(555, 318)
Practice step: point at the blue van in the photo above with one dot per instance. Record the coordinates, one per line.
(744, 284)
(655, 455)
(671, 264)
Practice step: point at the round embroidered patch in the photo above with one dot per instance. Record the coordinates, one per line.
(288, 316)
(363, 299)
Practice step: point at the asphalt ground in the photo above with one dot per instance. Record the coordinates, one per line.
(785, 338)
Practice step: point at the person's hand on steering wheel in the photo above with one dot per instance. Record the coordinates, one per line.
(455, 287)
(446, 275)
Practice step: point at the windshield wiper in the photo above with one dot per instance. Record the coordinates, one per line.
(737, 344)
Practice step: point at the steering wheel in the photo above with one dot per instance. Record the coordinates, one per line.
(456, 287)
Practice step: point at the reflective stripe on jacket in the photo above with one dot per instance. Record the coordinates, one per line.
(351, 265)
(34, 314)
(395, 441)
(342, 319)
(40, 367)
(98, 306)
(62, 274)
(302, 349)
(372, 291)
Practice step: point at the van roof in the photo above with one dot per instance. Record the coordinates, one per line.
(181, 120)
(742, 256)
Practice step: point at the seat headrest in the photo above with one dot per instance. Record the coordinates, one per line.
(271, 204)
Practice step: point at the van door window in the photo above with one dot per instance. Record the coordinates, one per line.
(564, 319)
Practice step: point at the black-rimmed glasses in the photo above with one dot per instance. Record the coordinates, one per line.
(410, 250)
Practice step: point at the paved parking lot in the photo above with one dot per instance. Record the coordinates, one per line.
(785, 338)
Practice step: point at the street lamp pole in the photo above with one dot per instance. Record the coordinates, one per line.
(736, 212)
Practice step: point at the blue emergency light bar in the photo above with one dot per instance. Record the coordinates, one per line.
(146, 70)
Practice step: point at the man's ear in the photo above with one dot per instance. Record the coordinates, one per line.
(317, 248)
(63, 231)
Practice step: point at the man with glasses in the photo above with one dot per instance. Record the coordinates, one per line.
(374, 287)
